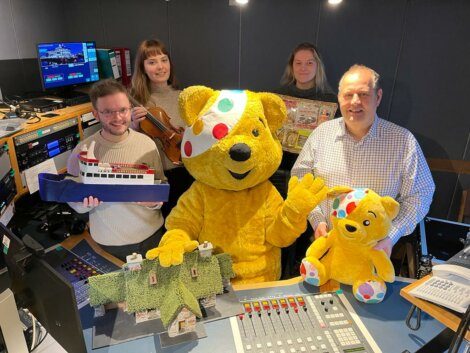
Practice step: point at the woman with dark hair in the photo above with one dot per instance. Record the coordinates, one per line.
(305, 77)
(154, 85)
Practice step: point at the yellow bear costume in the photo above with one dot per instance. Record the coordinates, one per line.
(360, 219)
(230, 149)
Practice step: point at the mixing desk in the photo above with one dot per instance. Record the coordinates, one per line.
(320, 323)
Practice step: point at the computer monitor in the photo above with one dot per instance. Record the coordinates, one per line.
(63, 64)
(48, 296)
(442, 238)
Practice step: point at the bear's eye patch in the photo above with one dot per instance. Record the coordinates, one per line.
(372, 213)
(366, 222)
(255, 132)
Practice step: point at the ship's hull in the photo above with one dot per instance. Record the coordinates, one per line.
(57, 188)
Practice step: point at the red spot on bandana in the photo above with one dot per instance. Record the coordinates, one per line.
(188, 148)
(219, 131)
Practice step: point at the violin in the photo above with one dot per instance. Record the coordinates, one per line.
(157, 125)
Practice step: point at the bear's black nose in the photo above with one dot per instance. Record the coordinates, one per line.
(240, 152)
(350, 228)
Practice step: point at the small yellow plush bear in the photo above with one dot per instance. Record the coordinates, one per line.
(230, 149)
(360, 219)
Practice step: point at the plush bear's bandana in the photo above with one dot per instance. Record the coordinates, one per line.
(344, 204)
(216, 123)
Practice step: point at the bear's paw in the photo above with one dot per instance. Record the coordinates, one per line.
(370, 292)
(309, 273)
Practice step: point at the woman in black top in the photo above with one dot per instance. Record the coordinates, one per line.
(305, 77)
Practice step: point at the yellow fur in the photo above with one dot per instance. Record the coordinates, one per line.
(350, 255)
(246, 218)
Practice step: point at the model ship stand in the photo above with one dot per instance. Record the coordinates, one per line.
(176, 294)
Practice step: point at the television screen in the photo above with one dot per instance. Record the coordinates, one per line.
(67, 63)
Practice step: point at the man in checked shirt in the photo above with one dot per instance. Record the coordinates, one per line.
(361, 150)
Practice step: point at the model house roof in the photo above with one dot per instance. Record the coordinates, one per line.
(180, 297)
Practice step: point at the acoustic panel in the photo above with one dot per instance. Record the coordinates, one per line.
(270, 30)
(432, 83)
(205, 40)
(362, 32)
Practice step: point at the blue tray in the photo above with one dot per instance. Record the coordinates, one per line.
(56, 188)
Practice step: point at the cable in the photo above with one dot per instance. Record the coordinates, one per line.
(460, 332)
(31, 118)
(40, 341)
(33, 342)
(12, 107)
(400, 50)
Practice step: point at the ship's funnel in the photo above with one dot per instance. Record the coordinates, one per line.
(90, 154)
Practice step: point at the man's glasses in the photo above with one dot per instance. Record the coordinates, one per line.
(109, 113)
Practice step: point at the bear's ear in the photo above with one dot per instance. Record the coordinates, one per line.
(274, 110)
(191, 102)
(391, 206)
(338, 190)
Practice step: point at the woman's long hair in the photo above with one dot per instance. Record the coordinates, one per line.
(320, 80)
(141, 84)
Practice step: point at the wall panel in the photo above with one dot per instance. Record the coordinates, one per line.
(37, 21)
(420, 48)
(8, 44)
(362, 32)
(270, 31)
(204, 42)
(432, 83)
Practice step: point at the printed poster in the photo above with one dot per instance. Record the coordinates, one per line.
(303, 116)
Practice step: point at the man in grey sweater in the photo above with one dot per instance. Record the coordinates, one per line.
(120, 228)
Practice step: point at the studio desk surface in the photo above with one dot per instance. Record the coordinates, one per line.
(39, 124)
(384, 321)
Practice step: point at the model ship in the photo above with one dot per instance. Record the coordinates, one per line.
(92, 171)
(108, 182)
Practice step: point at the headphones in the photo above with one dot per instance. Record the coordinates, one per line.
(61, 224)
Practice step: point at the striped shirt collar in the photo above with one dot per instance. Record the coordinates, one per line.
(372, 133)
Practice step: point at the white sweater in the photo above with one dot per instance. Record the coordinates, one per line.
(114, 223)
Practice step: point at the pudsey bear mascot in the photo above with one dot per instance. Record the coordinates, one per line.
(360, 219)
(230, 149)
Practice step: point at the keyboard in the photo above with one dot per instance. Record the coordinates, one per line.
(448, 293)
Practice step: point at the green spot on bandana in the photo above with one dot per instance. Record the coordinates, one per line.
(225, 105)
(336, 203)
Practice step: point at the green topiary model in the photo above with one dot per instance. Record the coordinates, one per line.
(176, 287)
